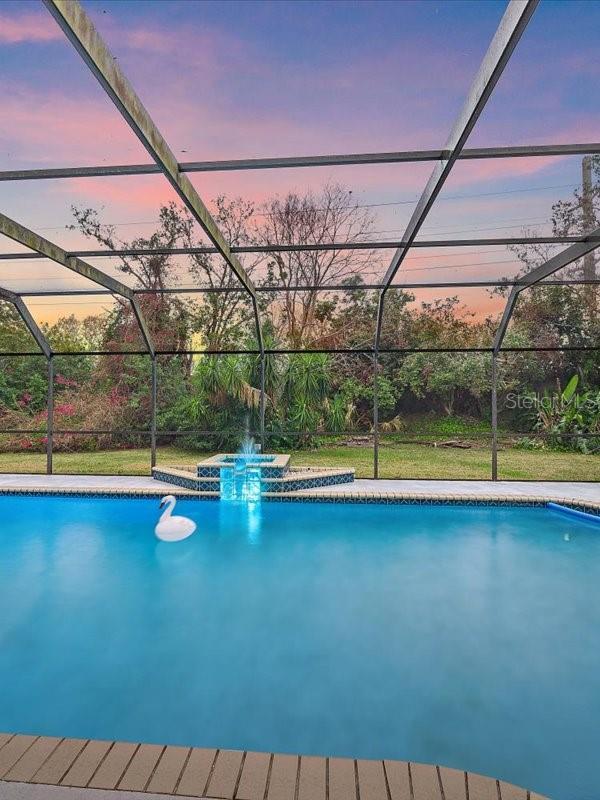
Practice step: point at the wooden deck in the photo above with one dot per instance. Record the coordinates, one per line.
(235, 775)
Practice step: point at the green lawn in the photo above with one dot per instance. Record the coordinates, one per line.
(395, 461)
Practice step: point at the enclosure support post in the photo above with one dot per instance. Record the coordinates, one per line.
(494, 416)
(376, 414)
(153, 405)
(50, 416)
(262, 401)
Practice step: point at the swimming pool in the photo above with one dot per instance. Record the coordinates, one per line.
(466, 636)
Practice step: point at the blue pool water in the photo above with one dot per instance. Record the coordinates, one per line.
(463, 636)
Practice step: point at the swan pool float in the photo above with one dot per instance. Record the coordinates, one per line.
(172, 529)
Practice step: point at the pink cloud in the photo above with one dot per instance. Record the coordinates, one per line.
(28, 27)
(52, 128)
(196, 110)
(467, 173)
(196, 82)
(476, 302)
(196, 56)
(123, 197)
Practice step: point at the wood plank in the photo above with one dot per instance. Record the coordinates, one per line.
(196, 771)
(342, 779)
(481, 787)
(282, 781)
(510, 792)
(254, 777)
(398, 779)
(59, 762)
(225, 774)
(454, 783)
(371, 780)
(139, 771)
(425, 782)
(13, 750)
(168, 770)
(114, 765)
(311, 785)
(29, 763)
(86, 764)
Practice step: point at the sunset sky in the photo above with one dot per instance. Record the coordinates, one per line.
(232, 80)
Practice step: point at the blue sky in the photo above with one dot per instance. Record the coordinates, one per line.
(239, 79)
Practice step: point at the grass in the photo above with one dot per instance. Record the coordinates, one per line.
(395, 461)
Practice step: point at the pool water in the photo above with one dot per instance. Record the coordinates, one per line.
(463, 636)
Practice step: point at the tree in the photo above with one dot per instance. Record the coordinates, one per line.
(581, 214)
(564, 316)
(225, 314)
(330, 216)
(447, 378)
(166, 314)
(572, 217)
(222, 315)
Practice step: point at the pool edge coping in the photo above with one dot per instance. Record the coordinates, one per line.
(313, 496)
(207, 773)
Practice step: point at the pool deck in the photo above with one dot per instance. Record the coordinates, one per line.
(48, 768)
(580, 493)
(80, 484)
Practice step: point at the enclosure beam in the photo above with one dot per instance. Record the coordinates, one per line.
(506, 317)
(494, 417)
(262, 401)
(259, 336)
(510, 29)
(31, 324)
(585, 245)
(137, 312)
(153, 408)
(81, 32)
(376, 414)
(303, 248)
(287, 162)
(44, 345)
(335, 287)
(50, 418)
(19, 233)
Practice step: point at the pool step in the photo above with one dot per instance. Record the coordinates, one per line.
(296, 479)
(300, 478)
(187, 479)
(272, 465)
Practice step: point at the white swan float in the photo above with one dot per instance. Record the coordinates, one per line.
(172, 529)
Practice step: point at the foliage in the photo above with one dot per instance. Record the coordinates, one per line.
(307, 394)
(529, 443)
(570, 420)
(449, 378)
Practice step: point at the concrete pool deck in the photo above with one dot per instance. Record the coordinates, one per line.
(579, 493)
(48, 768)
